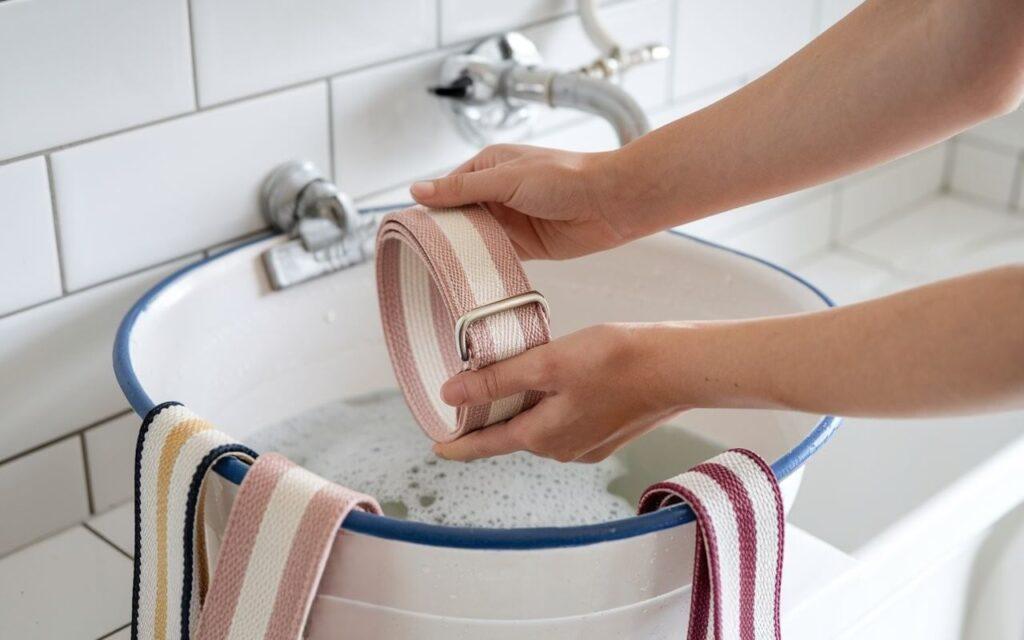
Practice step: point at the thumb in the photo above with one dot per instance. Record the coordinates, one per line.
(488, 185)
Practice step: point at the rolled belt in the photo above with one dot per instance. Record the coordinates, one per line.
(454, 296)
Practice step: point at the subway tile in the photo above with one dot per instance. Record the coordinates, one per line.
(117, 526)
(832, 11)
(29, 271)
(717, 40)
(388, 130)
(40, 493)
(466, 19)
(847, 278)
(790, 234)
(147, 196)
(1007, 130)
(983, 172)
(55, 371)
(723, 227)
(111, 454)
(943, 238)
(867, 198)
(72, 585)
(244, 47)
(73, 70)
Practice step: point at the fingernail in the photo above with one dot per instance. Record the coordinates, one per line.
(439, 452)
(453, 392)
(423, 189)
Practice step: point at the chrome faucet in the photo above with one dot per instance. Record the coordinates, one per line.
(493, 89)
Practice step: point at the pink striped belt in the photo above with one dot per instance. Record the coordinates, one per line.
(453, 295)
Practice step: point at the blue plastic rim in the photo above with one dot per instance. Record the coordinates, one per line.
(458, 537)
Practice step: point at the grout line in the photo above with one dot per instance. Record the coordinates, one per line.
(192, 254)
(56, 227)
(192, 53)
(1016, 186)
(330, 133)
(673, 43)
(438, 13)
(70, 434)
(117, 630)
(108, 541)
(948, 162)
(88, 474)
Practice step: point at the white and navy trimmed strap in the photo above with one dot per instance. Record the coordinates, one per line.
(174, 451)
(737, 574)
(280, 530)
(434, 266)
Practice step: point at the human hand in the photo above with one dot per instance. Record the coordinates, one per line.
(552, 204)
(601, 392)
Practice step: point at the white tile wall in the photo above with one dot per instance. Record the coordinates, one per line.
(790, 235)
(463, 20)
(73, 585)
(160, 118)
(29, 271)
(983, 172)
(246, 46)
(717, 40)
(143, 197)
(878, 193)
(110, 450)
(74, 69)
(42, 493)
(56, 375)
(832, 11)
(388, 130)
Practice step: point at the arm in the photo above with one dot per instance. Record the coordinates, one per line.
(951, 347)
(892, 77)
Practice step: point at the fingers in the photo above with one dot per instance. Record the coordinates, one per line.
(487, 185)
(495, 440)
(500, 380)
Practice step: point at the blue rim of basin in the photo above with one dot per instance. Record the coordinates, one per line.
(234, 470)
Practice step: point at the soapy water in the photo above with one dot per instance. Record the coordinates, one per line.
(372, 444)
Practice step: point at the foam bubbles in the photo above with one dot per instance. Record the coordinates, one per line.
(372, 444)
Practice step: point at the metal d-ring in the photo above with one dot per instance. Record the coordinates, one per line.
(463, 323)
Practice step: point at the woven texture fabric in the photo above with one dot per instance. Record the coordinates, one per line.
(433, 266)
(279, 533)
(737, 569)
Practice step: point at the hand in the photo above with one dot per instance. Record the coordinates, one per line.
(552, 204)
(601, 392)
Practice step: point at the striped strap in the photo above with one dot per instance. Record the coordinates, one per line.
(175, 449)
(433, 267)
(279, 532)
(737, 569)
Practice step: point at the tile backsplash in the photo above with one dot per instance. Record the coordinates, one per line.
(134, 135)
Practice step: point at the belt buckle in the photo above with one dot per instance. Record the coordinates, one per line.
(479, 313)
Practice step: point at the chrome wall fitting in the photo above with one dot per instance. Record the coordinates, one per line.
(473, 83)
(327, 231)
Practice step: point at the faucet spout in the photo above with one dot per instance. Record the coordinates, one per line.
(584, 93)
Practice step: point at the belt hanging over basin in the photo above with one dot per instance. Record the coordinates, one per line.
(454, 296)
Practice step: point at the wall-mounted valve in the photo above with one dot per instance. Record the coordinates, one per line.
(494, 89)
(327, 231)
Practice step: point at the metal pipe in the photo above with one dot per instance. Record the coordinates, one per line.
(581, 92)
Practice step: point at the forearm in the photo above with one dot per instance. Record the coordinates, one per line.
(892, 77)
(956, 346)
